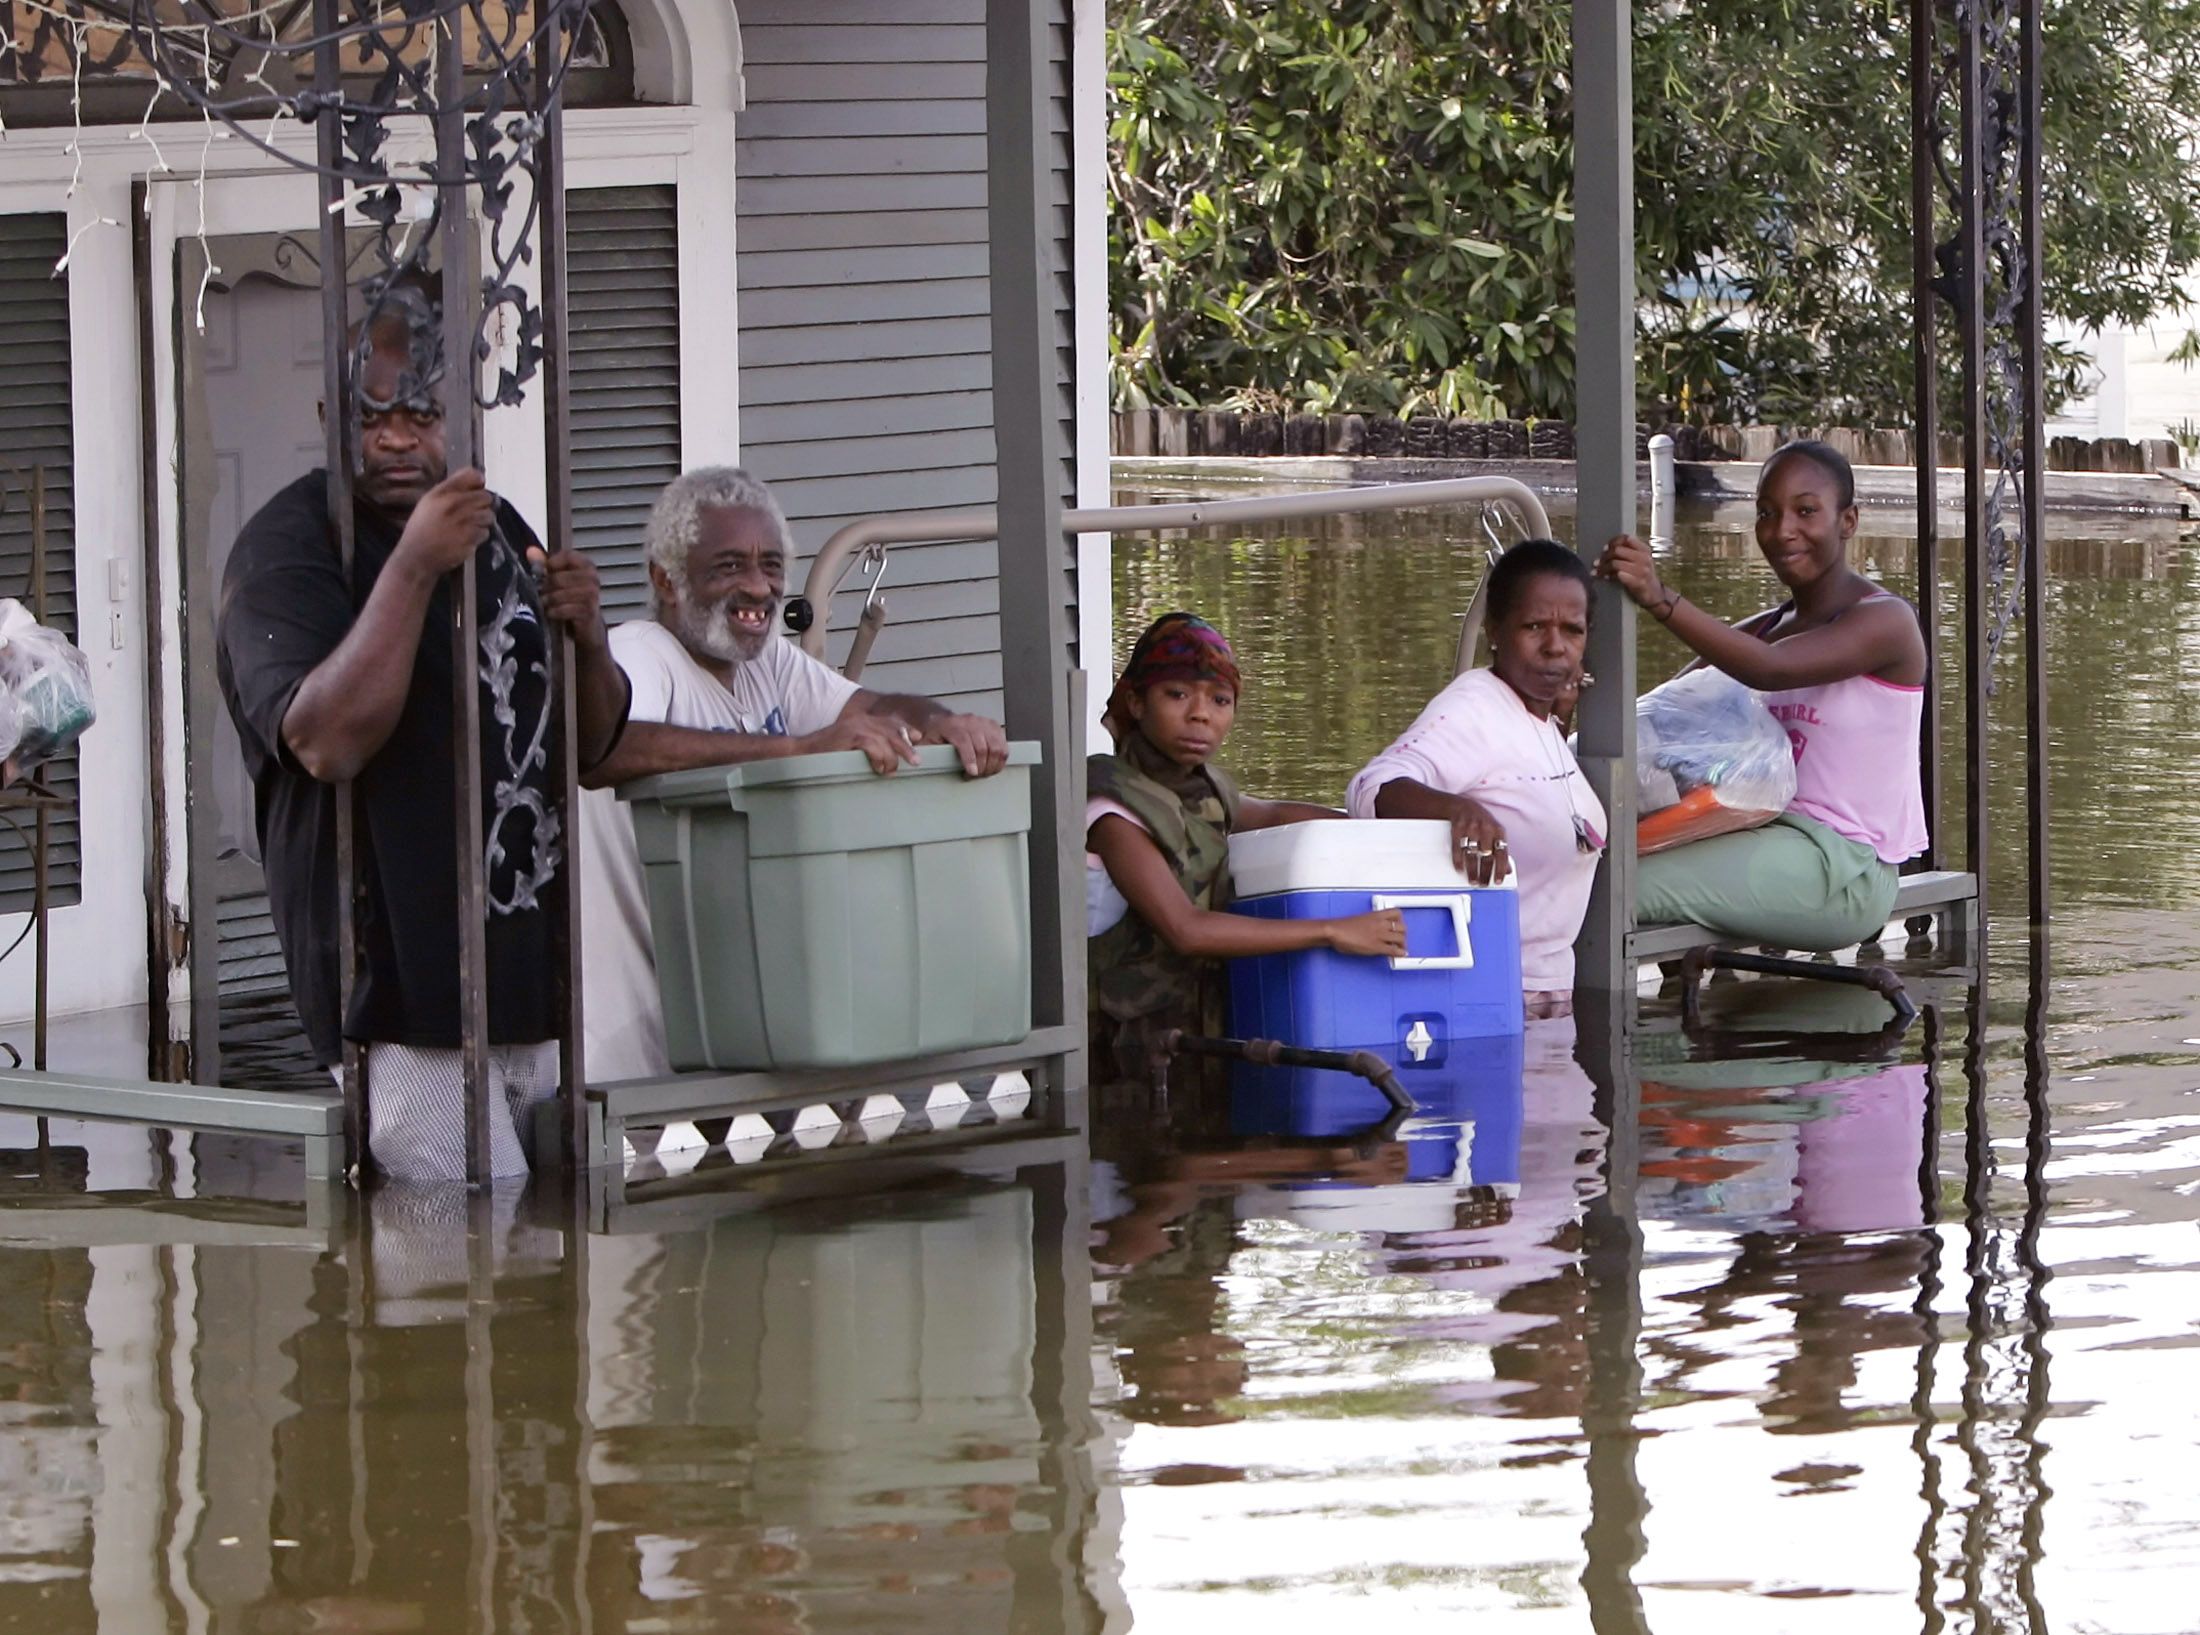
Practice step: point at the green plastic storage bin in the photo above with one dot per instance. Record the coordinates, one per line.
(809, 913)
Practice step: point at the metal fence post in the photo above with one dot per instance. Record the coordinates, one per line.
(1604, 283)
(42, 820)
(453, 223)
(1924, 195)
(338, 403)
(557, 424)
(1971, 310)
(2033, 408)
(1035, 564)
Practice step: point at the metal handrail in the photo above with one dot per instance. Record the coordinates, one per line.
(838, 554)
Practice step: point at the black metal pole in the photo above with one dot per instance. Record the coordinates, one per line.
(1976, 653)
(2037, 1272)
(337, 407)
(42, 821)
(1615, 1540)
(453, 224)
(1273, 1053)
(557, 426)
(1924, 193)
(1978, 1258)
(1925, 1308)
(483, 1475)
(1880, 979)
(2035, 485)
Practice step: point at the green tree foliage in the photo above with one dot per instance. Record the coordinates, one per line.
(1367, 204)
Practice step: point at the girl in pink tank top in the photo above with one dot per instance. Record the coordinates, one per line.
(1845, 735)
(1843, 666)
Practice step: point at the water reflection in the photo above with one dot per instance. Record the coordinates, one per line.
(1784, 1265)
(439, 1413)
(2005, 1382)
(1830, 1337)
(1792, 1105)
(1268, 1354)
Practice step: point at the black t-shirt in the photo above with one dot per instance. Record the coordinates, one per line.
(284, 607)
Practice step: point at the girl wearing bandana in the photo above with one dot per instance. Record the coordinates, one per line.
(1158, 819)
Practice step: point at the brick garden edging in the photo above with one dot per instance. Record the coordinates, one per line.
(1187, 432)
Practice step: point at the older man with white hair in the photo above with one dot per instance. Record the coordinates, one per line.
(715, 682)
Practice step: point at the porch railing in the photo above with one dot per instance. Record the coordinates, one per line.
(840, 553)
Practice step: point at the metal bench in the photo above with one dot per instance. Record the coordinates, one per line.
(1948, 894)
(316, 1120)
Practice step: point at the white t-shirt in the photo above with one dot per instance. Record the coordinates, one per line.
(1476, 738)
(782, 692)
(1105, 903)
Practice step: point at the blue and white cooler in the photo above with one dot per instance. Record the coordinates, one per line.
(1458, 979)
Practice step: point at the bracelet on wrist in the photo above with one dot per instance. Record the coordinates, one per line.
(1664, 611)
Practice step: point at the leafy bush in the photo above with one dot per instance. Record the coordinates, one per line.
(1367, 204)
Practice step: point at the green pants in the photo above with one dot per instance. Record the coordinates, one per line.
(1793, 883)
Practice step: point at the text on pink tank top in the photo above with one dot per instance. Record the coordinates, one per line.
(1856, 767)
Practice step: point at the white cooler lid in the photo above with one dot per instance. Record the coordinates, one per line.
(1355, 854)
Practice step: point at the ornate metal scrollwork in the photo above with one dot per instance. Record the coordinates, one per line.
(495, 143)
(245, 67)
(2007, 395)
(382, 69)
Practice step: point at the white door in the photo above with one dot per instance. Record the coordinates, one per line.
(263, 392)
(251, 424)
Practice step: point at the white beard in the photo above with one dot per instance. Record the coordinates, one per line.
(715, 632)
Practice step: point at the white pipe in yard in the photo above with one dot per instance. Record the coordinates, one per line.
(1662, 491)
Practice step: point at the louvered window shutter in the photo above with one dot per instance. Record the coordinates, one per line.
(623, 307)
(34, 432)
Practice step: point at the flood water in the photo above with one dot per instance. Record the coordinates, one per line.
(1844, 1332)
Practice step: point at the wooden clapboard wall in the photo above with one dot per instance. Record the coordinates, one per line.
(865, 345)
(35, 431)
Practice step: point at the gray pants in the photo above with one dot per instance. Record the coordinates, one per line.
(416, 1108)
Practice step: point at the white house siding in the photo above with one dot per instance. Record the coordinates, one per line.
(2136, 388)
(865, 340)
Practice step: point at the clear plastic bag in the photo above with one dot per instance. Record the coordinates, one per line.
(45, 690)
(1709, 759)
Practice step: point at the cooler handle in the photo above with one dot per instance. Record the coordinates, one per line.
(1461, 905)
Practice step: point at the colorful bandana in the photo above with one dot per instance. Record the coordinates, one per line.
(1175, 647)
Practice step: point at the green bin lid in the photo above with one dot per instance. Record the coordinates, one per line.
(833, 766)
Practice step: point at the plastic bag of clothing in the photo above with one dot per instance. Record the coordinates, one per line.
(45, 690)
(1709, 759)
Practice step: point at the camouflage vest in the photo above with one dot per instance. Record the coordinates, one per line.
(1133, 972)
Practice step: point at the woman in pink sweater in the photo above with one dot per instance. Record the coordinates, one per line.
(1489, 756)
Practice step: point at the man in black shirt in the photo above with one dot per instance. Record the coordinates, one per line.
(328, 680)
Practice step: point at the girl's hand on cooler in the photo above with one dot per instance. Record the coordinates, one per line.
(1381, 933)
